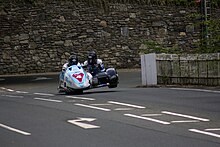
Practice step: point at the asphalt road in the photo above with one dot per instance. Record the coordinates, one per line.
(34, 114)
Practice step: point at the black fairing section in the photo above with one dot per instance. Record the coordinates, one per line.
(110, 76)
(111, 72)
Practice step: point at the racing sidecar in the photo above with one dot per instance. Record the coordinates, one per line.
(75, 79)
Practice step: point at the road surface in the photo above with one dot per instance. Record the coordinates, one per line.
(34, 114)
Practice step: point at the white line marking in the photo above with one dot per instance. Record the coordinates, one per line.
(151, 114)
(147, 118)
(185, 121)
(186, 116)
(206, 133)
(101, 104)
(21, 92)
(93, 107)
(2, 79)
(213, 129)
(81, 98)
(14, 130)
(200, 90)
(49, 100)
(10, 90)
(3, 88)
(123, 109)
(71, 101)
(15, 96)
(45, 94)
(41, 78)
(124, 104)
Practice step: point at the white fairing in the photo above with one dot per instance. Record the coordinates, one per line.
(90, 77)
(71, 82)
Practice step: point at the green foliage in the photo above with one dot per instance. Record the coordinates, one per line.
(154, 47)
(210, 38)
(210, 43)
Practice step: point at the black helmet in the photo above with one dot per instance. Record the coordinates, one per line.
(92, 58)
(73, 60)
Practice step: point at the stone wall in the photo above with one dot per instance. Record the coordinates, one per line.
(40, 38)
(197, 69)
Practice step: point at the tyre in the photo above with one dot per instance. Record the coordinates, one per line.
(112, 86)
(79, 91)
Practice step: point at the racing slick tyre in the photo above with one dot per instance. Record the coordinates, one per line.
(113, 81)
(74, 91)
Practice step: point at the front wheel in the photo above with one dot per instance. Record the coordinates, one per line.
(74, 91)
(80, 91)
(112, 86)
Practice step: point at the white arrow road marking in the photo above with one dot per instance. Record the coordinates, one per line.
(147, 118)
(93, 107)
(49, 100)
(203, 132)
(124, 104)
(183, 115)
(81, 98)
(14, 130)
(79, 123)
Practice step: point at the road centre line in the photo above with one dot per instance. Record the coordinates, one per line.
(151, 114)
(213, 129)
(203, 132)
(147, 118)
(44, 94)
(105, 104)
(10, 90)
(185, 121)
(124, 104)
(49, 100)
(1, 79)
(92, 107)
(123, 109)
(14, 130)
(183, 115)
(15, 96)
(81, 98)
(3, 88)
(21, 92)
